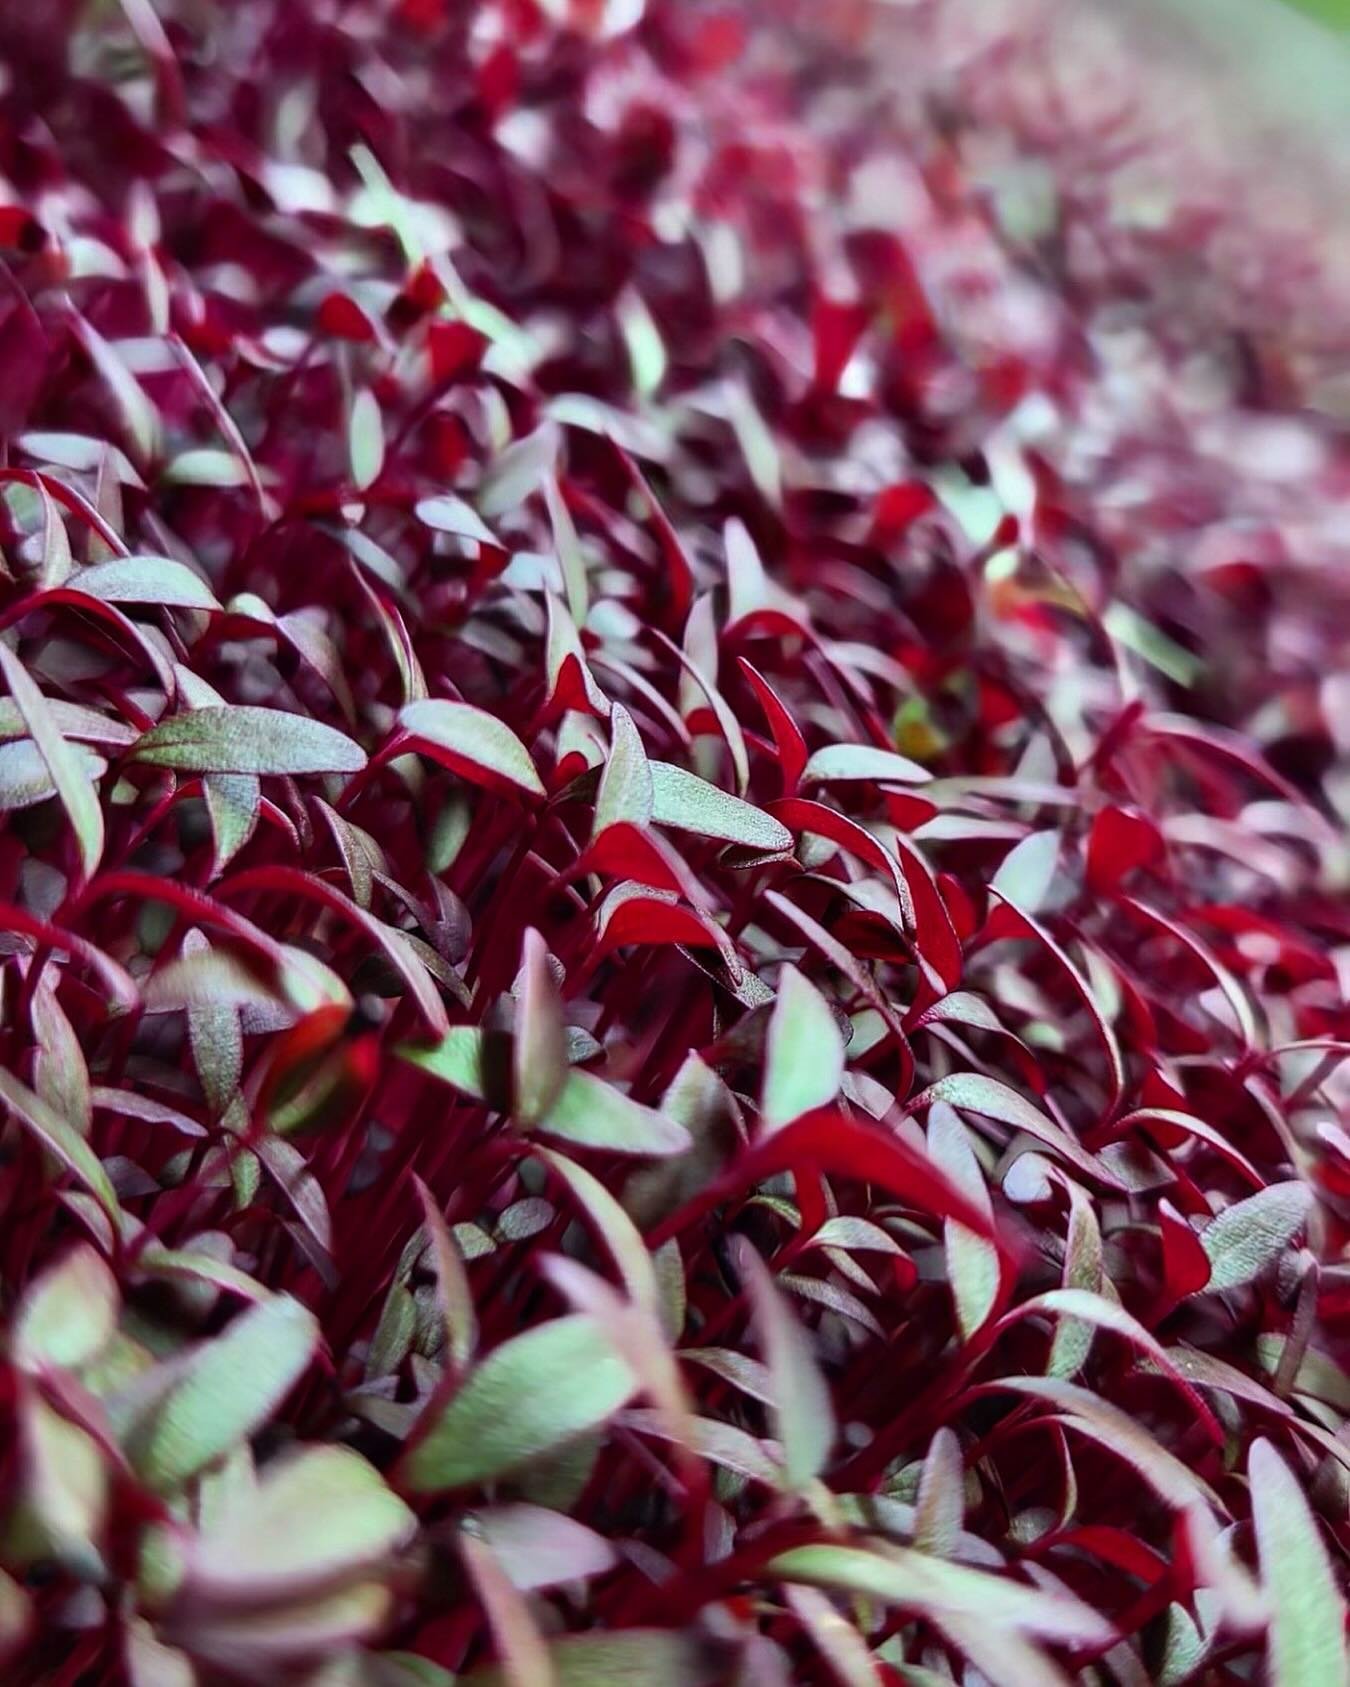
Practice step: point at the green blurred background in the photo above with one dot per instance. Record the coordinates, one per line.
(1334, 12)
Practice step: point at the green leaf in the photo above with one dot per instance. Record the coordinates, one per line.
(1116, 1431)
(25, 778)
(78, 451)
(646, 349)
(530, 1395)
(821, 1291)
(1082, 1270)
(457, 1060)
(749, 586)
(68, 1314)
(683, 800)
(57, 562)
(941, 1504)
(409, 1669)
(855, 1235)
(537, 1547)
(748, 1375)
(1306, 1635)
(61, 1141)
(227, 1388)
(393, 1338)
(838, 763)
(130, 1105)
(289, 1169)
(196, 1265)
(241, 738)
(68, 767)
(938, 1587)
(843, 1647)
(318, 1513)
(207, 466)
(517, 471)
(232, 803)
(452, 1281)
(139, 416)
(1028, 871)
(803, 1410)
(804, 1059)
(65, 1485)
(145, 579)
(619, 1233)
(365, 439)
(720, 1443)
(474, 743)
(634, 1657)
(593, 1114)
(1004, 1658)
(626, 791)
(995, 1100)
(567, 667)
(448, 514)
(73, 720)
(214, 1035)
(60, 1071)
(972, 1262)
(568, 546)
(539, 1047)
(1251, 1235)
(252, 1642)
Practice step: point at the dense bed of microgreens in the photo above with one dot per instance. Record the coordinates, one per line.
(674, 738)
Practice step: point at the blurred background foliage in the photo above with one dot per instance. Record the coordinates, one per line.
(1334, 12)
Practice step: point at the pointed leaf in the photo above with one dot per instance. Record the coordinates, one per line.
(25, 778)
(593, 1114)
(68, 767)
(541, 1548)
(145, 579)
(1250, 1236)
(518, 1642)
(64, 1143)
(616, 1229)
(365, 439)
(938, 1587)
(456, 1060)
(68, 1314)
(1028, 871)
(473, 743)
(995, 1100)
(804, 1059)
(626, 790)
(941, 1504)
(1306, 1638)
(539, 1048)
(723, 1444)
(804, 1413)
(449, 514)
(232, 804)
(691, 804)
(972, 1262)
(243, 739)
(452, 1282)
(838, 763)
(529, 1396)
(317, 1513)
(229, 1386)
